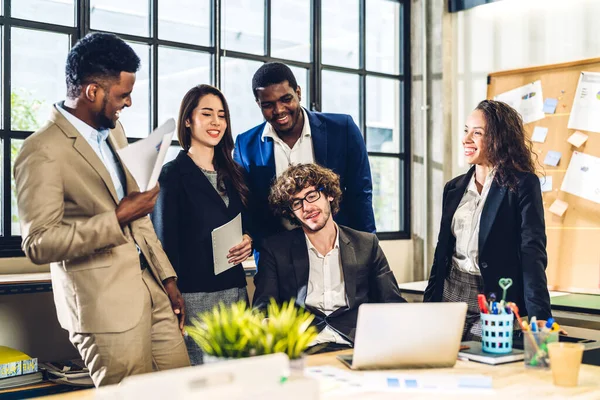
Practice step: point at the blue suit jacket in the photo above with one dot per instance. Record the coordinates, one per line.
(338, 145)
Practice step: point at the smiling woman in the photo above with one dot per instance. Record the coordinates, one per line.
(201, 190)
(493, 223)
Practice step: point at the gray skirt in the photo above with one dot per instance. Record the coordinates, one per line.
(462, 286)
(201, 302)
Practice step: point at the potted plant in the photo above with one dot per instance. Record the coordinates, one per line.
(236, 331)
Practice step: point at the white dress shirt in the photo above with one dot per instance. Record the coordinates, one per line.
(301, 153)
(97, 139)
(326, 291)
(465, 226)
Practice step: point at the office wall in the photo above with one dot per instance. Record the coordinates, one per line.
(513, 34)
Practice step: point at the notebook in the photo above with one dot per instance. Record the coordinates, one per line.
(475, 353)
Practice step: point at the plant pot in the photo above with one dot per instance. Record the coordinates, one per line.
(297, 366)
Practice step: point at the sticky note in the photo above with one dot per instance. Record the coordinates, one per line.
(558, 207)
(552, 158)
(550, 105)
(393, 382)
(546, 183)
(577, 138)
(539, 134)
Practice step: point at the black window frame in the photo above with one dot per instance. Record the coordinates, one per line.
(10, 246)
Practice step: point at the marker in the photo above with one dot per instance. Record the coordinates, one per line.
(482, 303)
(548, 326)
(495, 308)
(533, 324)
(529, 335)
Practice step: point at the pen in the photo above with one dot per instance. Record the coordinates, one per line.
(529, 335)
(482, 303)
(533, 324)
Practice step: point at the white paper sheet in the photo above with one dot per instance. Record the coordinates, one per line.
(539, 134)
(546, 183)
(224, 238)
(583, 177)
(527, 100)
(585, 114)
(144, 158)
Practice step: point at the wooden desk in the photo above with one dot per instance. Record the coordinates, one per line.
(511, 381)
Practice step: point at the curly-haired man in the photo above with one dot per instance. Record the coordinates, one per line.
(328, 268)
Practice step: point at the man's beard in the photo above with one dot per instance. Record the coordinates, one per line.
(103, 121)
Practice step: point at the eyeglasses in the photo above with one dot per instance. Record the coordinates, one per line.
(310, 197)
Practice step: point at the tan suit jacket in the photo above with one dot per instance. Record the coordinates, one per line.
(67, 204)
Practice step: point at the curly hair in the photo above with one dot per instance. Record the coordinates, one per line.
(507, 146)
(98, 56)
(297, 178)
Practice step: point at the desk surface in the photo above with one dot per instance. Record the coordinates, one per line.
(509, 381)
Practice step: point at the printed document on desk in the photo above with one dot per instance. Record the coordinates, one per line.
(145, 157)
(585, 114)
(583, 177)
(223, 238)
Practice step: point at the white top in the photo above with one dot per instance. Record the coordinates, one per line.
(465, 226)
(326, 291)
(97, 139)
(301, 153)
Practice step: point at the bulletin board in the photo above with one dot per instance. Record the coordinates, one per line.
(573, 239)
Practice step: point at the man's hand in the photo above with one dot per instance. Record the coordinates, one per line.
(136, 205)
(240, 252)
(176, 301)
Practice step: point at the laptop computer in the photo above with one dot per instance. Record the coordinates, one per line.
(401, 335)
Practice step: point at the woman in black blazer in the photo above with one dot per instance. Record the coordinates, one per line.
(492, 221)
(202, 189)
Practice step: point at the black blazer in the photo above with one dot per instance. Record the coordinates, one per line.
(512, 243)
(187, 210)
(283, 271)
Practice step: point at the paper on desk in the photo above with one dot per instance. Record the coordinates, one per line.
(145, 157)
(224, 238)
(527, 100)
(442, 383)
(583, 177)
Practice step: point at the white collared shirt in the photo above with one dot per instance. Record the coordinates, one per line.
(326, 291)
(97, 140)
(465, 226)
(301, 153)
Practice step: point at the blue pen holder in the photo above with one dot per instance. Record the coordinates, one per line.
(497, 333)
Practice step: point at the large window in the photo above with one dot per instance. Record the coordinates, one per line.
(349, 56)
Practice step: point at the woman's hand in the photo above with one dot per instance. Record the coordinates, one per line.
(241, 252)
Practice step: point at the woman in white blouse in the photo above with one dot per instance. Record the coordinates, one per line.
(492, 223)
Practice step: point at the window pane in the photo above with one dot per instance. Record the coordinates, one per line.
(290, 29)
(383, 36)
(340, 94)
(56, 12)
(136, 119)
(236, 83)
(172, 152)
(386, 193)
(178, 72)
(185, 21)
(340, 32)
(38, 70)
(383, 114)
(131, 16)
(301, 75)
(243, 27)
(15, 147)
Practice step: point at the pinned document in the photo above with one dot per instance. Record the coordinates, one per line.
(144, 158)
(552, 158)
(546, 183)
(224, 238)
(585, 114)
(583, 177)
(539, 134)
(527, 100)
(558, 207)
(550, 105)
(577, 139)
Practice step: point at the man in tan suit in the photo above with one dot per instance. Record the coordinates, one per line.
(82, 212)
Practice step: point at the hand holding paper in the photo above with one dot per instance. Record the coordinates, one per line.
(145, 157)
(224, 238)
